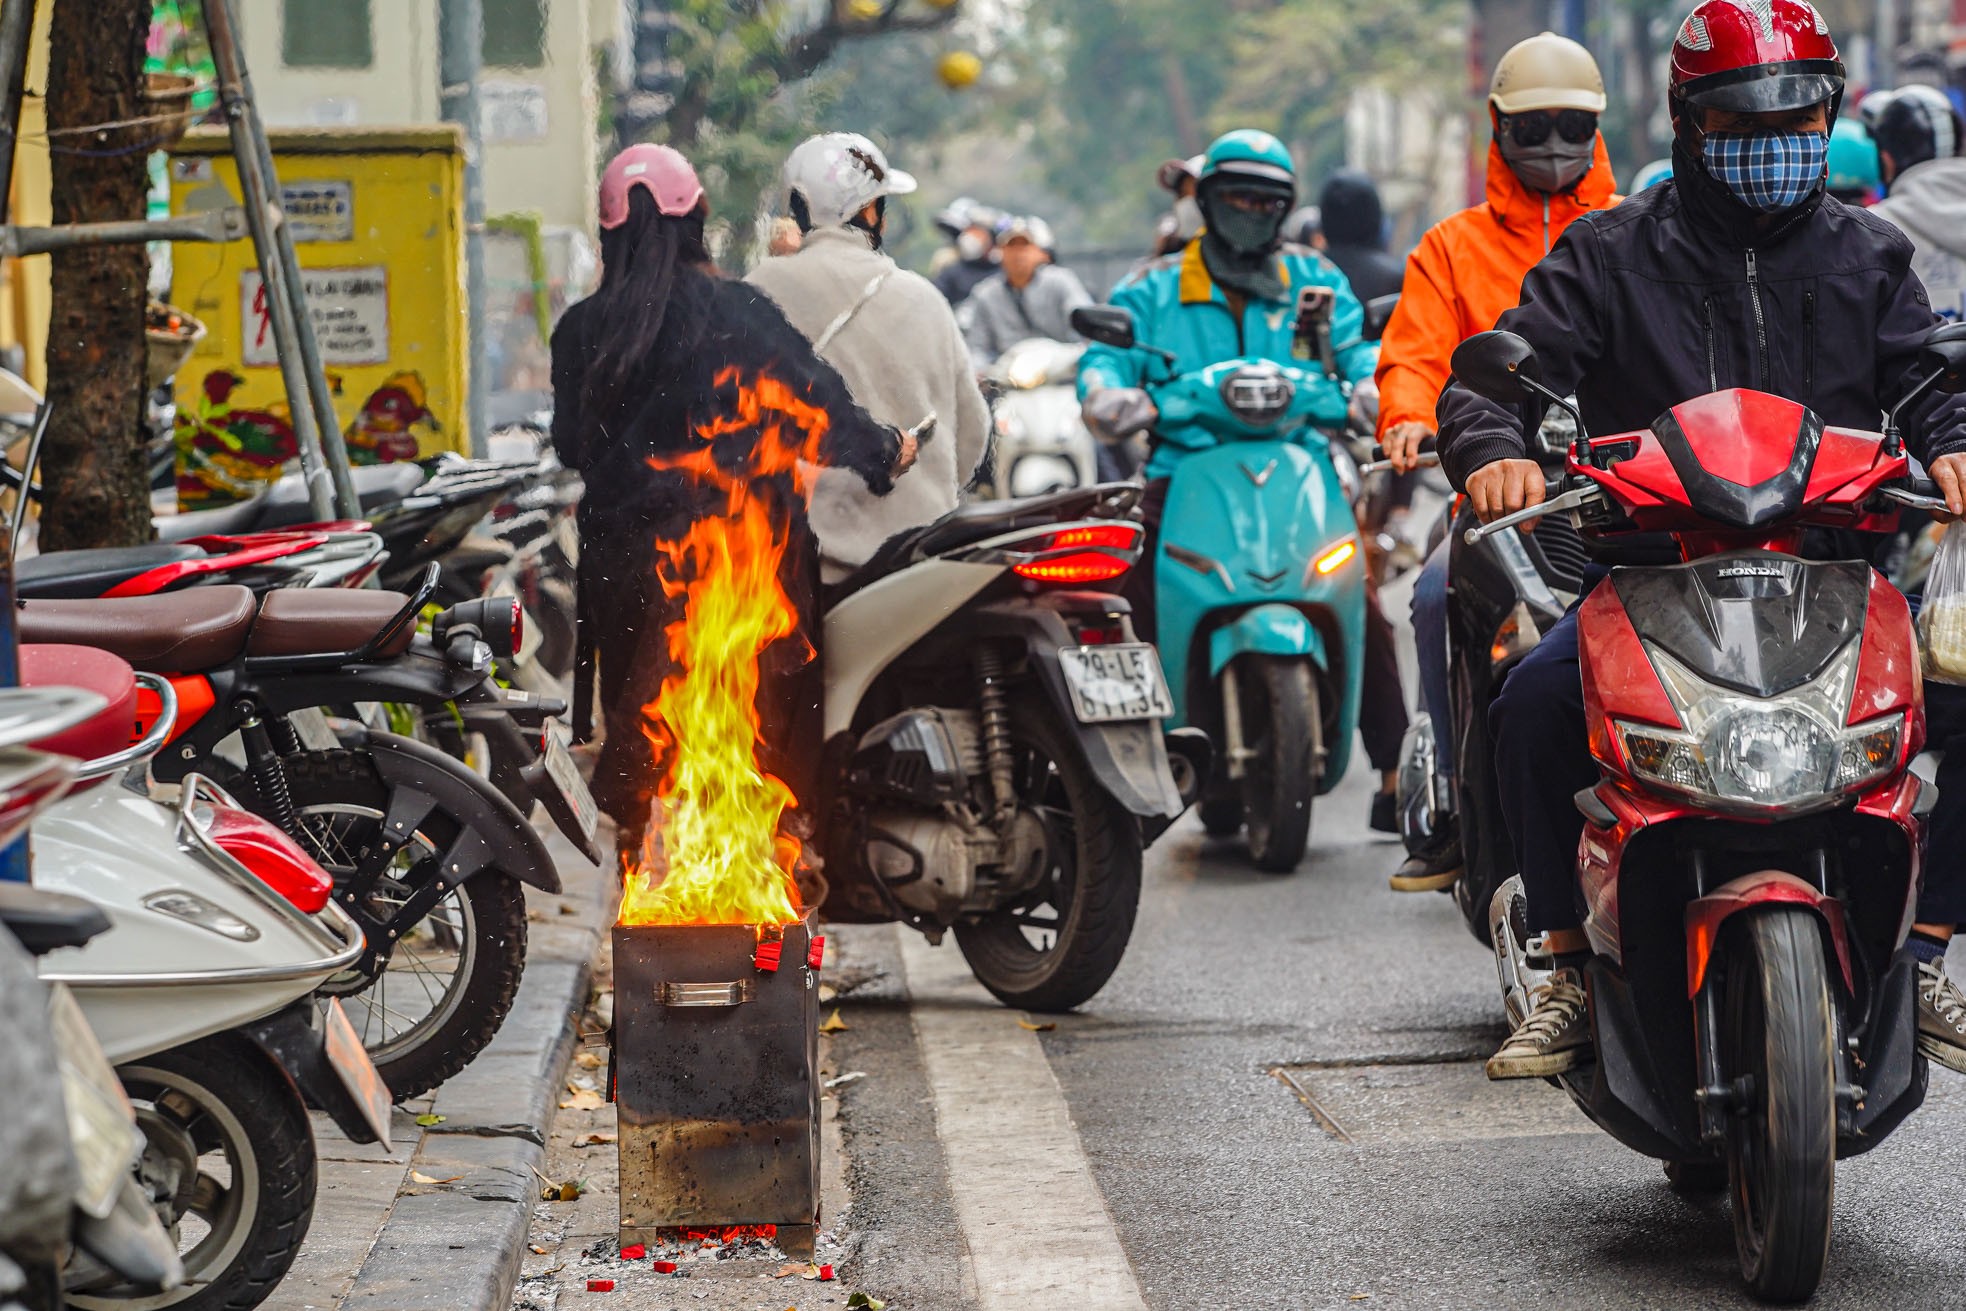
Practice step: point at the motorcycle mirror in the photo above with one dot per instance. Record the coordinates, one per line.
(1945, 351)
(1495, 364)
(1109, 325)
(1378, 313)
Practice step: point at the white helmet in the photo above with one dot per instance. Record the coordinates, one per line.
(839, 174)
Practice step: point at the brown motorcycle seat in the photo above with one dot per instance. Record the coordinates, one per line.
(297, 621)
(170, 633)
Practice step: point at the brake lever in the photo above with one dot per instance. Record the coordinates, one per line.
(1575, 498)
(1915, 500)
(1425, 460)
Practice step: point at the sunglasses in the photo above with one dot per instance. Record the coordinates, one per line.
(1256, 202)
(1533, 128)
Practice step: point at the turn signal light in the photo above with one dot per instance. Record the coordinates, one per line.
(1336, 557)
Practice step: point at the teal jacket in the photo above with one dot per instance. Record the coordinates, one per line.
(1177, 307)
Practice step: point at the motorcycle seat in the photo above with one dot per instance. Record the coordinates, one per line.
(44, 921)
(171, 633)
(93, 670)
(285, 503)
(317, 621)
(90, 573)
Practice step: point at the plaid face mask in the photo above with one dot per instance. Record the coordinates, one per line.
(1768, 171)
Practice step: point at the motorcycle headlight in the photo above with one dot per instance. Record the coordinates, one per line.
(1785, 753)
(1258, 394)
(1028, 371)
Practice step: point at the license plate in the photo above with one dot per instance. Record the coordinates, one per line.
(566, 777)
(356, 1071)
(1122, 681)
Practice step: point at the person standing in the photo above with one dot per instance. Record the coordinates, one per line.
(1028, 296)
(639, 369)
(890, 334)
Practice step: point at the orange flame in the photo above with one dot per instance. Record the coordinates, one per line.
(713, 853)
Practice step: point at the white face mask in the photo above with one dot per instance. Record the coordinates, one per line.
(971, 247)
(1187, 217)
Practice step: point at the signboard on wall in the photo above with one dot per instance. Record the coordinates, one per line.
(319, 211)
(350, 309)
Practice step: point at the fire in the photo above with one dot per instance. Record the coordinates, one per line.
(713, 852)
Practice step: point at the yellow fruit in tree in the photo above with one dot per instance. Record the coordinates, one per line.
(865, 10)
(958, 69)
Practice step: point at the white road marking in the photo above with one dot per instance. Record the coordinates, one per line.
(1035, 1223)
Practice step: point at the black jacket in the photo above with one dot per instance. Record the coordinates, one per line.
(1371, 271)
(1673, 293)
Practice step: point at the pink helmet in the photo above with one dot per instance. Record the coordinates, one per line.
(663, 170)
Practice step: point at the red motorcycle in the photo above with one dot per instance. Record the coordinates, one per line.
(1750, 857)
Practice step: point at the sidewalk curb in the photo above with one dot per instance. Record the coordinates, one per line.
(459, 1243)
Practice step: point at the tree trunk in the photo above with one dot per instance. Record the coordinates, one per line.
(93, 469)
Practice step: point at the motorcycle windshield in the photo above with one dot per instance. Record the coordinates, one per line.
(1743, 457)
(1755, 622)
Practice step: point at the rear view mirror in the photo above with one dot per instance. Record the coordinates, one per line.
(1945, 351)
(1109, 325)
(1495, 364)
(1378, 313)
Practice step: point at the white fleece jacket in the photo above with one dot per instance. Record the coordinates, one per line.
(1928, 201)
(903, 358)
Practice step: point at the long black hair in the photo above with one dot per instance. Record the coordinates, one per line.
(640, 264)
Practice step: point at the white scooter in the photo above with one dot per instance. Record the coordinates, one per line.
(221, 929)
(1041, 444)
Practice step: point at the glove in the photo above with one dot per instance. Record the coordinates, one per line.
(1114, 413)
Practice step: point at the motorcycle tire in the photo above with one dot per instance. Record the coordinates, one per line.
(1282, 724)
(1098, 879)
(341, 800)
(1777, 1039)
(220, 1100)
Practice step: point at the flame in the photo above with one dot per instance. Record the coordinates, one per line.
(713, 852)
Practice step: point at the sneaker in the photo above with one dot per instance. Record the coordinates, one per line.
(1552, 1039)
(1941, 1017)
(1433, 868)
(1385, 812)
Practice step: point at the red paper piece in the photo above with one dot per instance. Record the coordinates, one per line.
(816, 953)
(600, 1285)
(665, 1267)
(825, 1272)
(767, 956)
(634, 1252)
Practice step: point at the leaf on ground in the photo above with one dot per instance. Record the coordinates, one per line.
(1045, 1027)
(562, 1192)
(419, 1177)
(827, 992)
(601, 1138)
(860, 1301)
(425, 1121)
(587, 1060)
(833, 1024)
(791, 1268)
(585, 1099)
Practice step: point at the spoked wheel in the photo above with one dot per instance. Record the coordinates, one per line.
(1056, 946)
(228, 1162)
(428, 1007)
(1776, 1051)
(1281, 730)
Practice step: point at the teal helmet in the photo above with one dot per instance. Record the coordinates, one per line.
(1853, 167)
(1248, 153)
(1657, 171)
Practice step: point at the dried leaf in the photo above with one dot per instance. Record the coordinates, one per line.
(566, 1192)
(600, 1138)
(827, 992)
(833, 1024)
(426, 1121)
(585, 1099)
(419, 1177)
(791, 1268)
(587, 1060)
(1046, 1027)
(862, 1302)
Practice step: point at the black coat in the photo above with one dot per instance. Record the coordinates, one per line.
(713, 326)
(1371, 271)
(1674, 293)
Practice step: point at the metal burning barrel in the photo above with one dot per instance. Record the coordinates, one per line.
(714, 1077)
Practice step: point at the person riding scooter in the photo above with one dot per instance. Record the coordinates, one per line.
(1739, 272)
(1231, 292)
(1547, 167)
(1921, 156)
(1028, 296)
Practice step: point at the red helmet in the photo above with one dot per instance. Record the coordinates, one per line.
(1753, 56)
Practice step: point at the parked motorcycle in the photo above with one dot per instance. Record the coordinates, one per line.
(1749, 860)
(1260, 586)
(428, 858)
(1041, 444)
(994, 760)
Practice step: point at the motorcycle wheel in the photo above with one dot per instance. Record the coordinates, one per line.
(228, 1161)
(1057, 946)
(1222, 818)
(1776, 1045)
(1282, 722)
(452, 973)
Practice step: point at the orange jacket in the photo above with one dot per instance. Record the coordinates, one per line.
(1465, 272)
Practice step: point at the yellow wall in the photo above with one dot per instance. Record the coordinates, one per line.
(25, 297)
(405, 219)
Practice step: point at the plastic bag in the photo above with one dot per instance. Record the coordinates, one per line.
(1942, 617)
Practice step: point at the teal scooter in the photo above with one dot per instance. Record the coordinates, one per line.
(1259, 580)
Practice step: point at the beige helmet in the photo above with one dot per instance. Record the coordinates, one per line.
(1547, 72)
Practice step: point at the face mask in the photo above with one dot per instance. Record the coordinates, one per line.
(1187, 217)
(1244, 231)
(1555, 165)
(1768, 171)
(970, 247)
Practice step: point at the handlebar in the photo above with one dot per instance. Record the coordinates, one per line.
(1426, 460)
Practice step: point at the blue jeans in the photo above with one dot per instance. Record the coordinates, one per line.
(1430, 644)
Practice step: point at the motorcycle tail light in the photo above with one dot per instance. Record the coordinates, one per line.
(1090, 553)
(269, 853)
